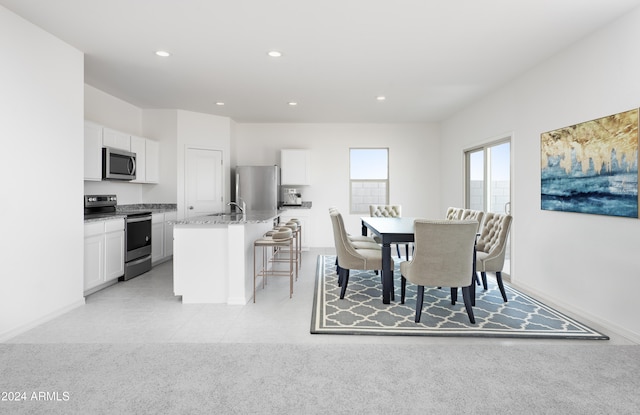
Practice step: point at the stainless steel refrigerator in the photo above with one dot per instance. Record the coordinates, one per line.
(258, 187)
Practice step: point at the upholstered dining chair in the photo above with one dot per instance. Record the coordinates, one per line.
(358, 242)
(443, 257)
(350, 257)
(491, 247)
(454, 213)
(470, 214)
(388, 211)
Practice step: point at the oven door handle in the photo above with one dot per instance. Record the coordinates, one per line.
(140, 219)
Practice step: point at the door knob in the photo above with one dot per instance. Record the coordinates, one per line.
(190, 207)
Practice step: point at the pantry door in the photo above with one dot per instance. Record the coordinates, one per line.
(203, 182)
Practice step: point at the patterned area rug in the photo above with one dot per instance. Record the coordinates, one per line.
(362, 311)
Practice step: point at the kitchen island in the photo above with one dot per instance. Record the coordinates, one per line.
(213, 256)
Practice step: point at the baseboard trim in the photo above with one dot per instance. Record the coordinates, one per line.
(576, 312)
(26, 327)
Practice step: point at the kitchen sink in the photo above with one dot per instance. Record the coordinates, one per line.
(227, 215)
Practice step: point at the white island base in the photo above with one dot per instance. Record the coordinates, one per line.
(213, 262)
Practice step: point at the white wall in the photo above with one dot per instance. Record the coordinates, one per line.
(162, 126)
(414, 165)
(120, 115)
(197, 130)
(41, 162)
(588, 263)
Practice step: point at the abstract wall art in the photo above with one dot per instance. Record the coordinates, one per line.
(592, 167)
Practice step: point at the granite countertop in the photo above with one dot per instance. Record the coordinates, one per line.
(151, 207)
(305, 205)
(103, 218)
(232, 218)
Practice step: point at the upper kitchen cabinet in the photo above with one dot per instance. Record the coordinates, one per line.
(92, 151)
(146, 159)
(152, 161)
(296, 167)
(116, 139)
(97, 136)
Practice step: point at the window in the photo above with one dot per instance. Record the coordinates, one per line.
(369, 178)
(488, 182)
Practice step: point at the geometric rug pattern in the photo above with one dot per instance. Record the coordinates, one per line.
(362, 311)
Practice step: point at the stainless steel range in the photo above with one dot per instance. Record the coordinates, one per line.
(137, 231)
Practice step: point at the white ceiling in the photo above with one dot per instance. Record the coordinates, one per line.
(428, 57)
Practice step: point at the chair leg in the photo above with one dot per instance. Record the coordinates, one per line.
(484, 280)
(393, 288)
(398, 249)
(466, 295)
(406, 248)
(345, 281)
(454, 295)
(501, 285)
(403, 288)
(419, 301)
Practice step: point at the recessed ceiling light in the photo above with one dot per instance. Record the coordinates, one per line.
(274, 54)
(163, 53)
(220, 104)
(292, 104)
(381, 98)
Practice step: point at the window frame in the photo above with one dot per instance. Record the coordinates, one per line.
(367, 182)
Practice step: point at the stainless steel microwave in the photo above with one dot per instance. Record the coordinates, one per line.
(118, 164)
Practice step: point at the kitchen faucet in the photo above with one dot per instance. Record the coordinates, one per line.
(242, 208)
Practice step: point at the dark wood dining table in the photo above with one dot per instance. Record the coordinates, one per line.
(392, 231)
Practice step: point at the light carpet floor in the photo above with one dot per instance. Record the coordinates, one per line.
(587, 378)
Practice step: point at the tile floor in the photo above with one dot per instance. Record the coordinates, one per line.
(144, 310)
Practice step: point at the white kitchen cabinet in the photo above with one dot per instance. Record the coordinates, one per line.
(114, 249)
(103, 252)
(116, 139)
(93, 260)
(162, 236)
(295, 167)
(168, 233)
(157, 237)
(92, 151)
(139, 146)
(303, 215)
(152, 161)
(147, 152)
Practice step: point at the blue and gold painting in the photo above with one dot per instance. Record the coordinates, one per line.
(592, 167)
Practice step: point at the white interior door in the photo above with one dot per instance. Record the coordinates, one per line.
(203, 182)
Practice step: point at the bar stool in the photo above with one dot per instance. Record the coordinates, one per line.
(296, 229)
(299, 236)
(275, 240)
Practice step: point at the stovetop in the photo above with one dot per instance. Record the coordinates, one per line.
(105, 206)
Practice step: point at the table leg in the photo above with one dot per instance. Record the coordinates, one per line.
(473, 278)
(387, 276)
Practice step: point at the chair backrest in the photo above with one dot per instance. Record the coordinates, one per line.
(494, 234)
(470, 214)
(444, 252)
(386, 211)
(344, 248)
(454, 213)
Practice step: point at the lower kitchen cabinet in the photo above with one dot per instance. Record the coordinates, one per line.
(103, 252)
(162, 236)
